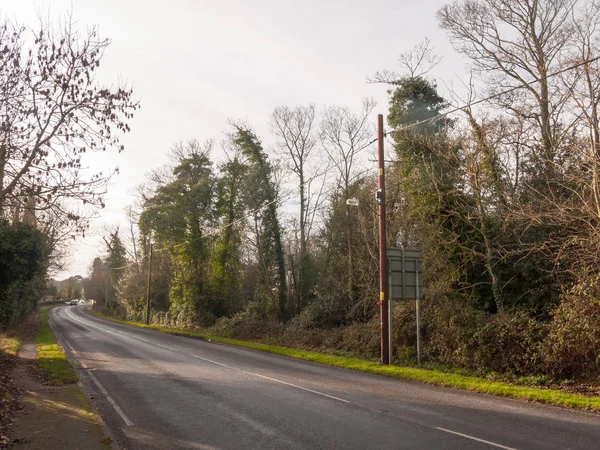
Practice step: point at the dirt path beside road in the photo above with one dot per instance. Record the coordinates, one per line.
(52, 417)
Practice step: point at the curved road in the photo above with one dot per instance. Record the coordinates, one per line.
(159, 391)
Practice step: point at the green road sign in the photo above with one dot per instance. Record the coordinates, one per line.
(405, 267)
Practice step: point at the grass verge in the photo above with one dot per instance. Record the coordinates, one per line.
(9, 345)
(50, 356)
(433, 377)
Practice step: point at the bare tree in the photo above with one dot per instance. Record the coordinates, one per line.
(517, 44)
(418, 62)
(133, 250)
(53, 112)
(297, 140)
(344, 134)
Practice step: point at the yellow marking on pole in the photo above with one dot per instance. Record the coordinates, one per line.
(380, 171)
(381, 296)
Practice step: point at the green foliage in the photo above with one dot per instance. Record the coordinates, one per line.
(116, 260)
(178, 215)
(260, 199)
(23, 264)
(414, 100)
(512, 344)
(226, 253)
(573, 344)
(343, 296)
(95, 283)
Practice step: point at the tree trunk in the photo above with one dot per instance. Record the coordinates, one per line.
(302, 265)
(547, 137)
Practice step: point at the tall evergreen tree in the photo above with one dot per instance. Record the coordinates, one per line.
(261, 198)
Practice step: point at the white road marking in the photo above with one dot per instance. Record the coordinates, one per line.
(269, 378)
(110, 400)
(211, 361)
(235, 368)
(68, 345)
(168, 348)
(493, 444)
(299, 387)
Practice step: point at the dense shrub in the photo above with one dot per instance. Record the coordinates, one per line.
(448, 329)
(245, 325)
(573, 345)
(23, 265)
(510, 343)
(404, 330)
(181, 315)
(323, 312)
(361, 339)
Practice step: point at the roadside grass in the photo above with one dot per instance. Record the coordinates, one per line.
(433, 377)
(9, 345)
(50, 356)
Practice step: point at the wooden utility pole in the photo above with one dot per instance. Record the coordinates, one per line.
(106, 287)
(383, 272)
(149, 285)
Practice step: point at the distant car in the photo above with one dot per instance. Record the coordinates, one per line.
(73, 303)
(81, 301)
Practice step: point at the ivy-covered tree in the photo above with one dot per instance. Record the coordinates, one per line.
(180, 215)
(95, 283)
(261, 199)
(116, 260)
(226, 254)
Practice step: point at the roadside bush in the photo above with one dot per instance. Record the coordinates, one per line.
(510, 343)
(23, 265)
(323, 312)
(357, 339)
(362, 339)
(448, 330)
(114, 309)
(310, 339)
(245, 325)
(404, 330)
(182, 316)
(573, 345)
(456, 335)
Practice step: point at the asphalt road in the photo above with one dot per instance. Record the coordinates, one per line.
(158, 391)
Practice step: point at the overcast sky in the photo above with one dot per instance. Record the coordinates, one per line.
(194, 64)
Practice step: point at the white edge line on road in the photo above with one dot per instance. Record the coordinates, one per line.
(79, 359)
(110, 400)
(493, 444)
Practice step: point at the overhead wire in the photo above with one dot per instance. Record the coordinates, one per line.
(247, 215)
(405, 127)
(498, 94)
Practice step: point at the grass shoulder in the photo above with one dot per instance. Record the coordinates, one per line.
(51, 357)
(9, 344)
(433, 377)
